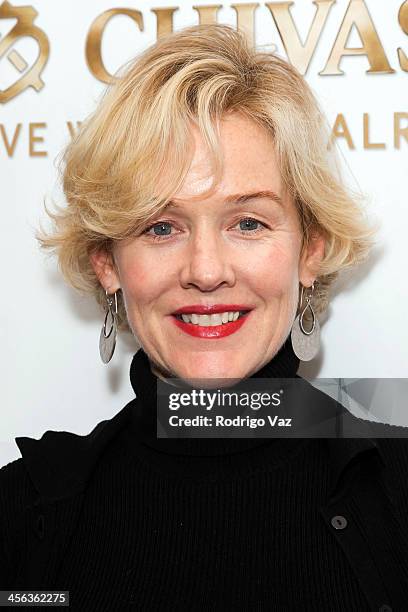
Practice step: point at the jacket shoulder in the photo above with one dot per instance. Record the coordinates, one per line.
(60, 463)
(54, 467)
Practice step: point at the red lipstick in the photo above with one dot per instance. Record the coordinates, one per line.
(211, 331)
(211, 309)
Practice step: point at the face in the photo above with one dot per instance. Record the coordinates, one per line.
(237, 249)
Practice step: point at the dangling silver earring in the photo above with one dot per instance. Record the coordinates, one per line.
(305, 343)
(107, 341)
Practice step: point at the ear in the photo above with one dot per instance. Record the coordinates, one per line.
(311, 257)
(106, 270)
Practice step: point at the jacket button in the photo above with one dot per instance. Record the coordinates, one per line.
(385, 608)
(339, 522)
(40, 526)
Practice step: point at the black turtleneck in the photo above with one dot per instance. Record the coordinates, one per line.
(284, 365)
(206, 524)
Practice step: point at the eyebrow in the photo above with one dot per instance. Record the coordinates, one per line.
(242, 198)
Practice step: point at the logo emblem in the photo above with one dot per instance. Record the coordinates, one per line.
(30, 76)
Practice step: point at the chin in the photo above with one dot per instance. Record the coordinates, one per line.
(210, 366)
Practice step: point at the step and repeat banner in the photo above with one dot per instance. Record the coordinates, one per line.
(56, 58)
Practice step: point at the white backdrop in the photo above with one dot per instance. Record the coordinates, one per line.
(51, 373)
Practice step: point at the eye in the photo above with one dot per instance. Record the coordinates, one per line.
(247, 225)
(163, 227)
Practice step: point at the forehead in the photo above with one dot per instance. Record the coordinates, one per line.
(249, 160)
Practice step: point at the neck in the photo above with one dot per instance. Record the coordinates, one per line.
(144, 375)
(284, 364)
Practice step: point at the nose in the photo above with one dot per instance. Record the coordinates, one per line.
(207, 263)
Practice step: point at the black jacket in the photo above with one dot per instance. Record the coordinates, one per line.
(41, 499)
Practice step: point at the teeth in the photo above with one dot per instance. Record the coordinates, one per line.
(210, 320)
(215, 319)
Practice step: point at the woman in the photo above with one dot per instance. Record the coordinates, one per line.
(205, 212)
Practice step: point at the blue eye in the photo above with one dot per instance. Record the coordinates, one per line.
(248, 224)
(161, 226)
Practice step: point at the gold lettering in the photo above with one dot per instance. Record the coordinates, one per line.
(33, 138)
(398, 130)
(246, 19)
(71, 128)
(298, 54)
(93, 51)
(357, 15)
(340, 130)
(207, 14)
(367, 143)
(164, 20)
(10, 147)
(403, 21)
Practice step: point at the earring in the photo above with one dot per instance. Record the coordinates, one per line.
(107, 341)
(305, 343)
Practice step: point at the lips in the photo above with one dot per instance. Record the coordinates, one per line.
(211, 309)
(210, 331)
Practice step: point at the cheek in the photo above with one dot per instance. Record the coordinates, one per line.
(142, 279)
(276, 273)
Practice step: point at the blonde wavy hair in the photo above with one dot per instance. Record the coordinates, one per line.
(141, 128)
